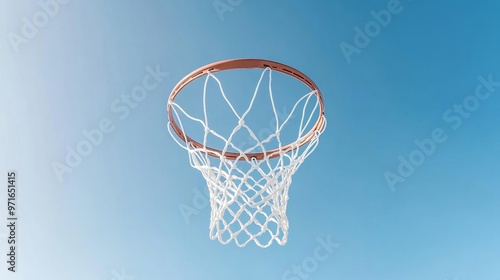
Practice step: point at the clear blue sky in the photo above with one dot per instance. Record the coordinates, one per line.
(116, 211)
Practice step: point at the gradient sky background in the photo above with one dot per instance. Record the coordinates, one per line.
(118, 211)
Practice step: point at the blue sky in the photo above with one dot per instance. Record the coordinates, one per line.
(115, 212)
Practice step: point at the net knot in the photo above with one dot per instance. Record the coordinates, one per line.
(241, 122)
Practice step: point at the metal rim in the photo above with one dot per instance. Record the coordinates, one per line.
(246, 63)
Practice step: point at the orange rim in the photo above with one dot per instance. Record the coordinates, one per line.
(246, 63)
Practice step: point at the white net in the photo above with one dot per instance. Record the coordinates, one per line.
(248, 196)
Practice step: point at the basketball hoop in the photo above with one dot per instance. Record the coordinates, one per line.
(248, 188)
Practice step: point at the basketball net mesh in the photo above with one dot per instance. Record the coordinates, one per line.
(248, 197)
